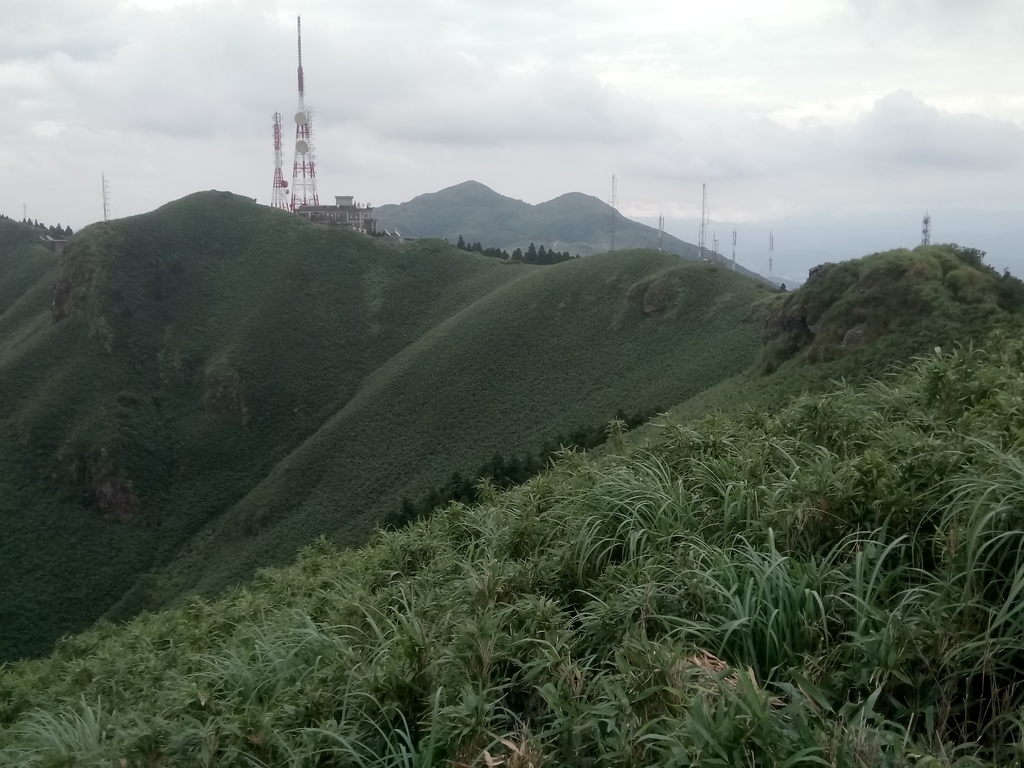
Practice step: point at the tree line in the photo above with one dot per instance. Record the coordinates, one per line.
(533, 254)
(504, 471)
(54, 231)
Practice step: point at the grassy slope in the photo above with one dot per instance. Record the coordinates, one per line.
(534, 358)
(834, 583)
(209, 285)
(258, 380)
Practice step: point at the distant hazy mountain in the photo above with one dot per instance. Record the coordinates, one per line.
(572, 222)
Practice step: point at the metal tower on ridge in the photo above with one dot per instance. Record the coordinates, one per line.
(661, 228)
(734, 249)
(304, 167)
(106, 197)
(279, 196)
(926, 229)
(771, 255)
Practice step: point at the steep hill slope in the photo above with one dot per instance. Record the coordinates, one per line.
(212, 385)
(574, 222)
(832, 583)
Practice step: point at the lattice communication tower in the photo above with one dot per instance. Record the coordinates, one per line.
(279, 196)
(926, 229)
(304, 166)
(106, 197)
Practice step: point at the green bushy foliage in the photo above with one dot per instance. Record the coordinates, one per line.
(836, 582)
(898, 292)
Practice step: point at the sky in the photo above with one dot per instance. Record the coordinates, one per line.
(808, 111)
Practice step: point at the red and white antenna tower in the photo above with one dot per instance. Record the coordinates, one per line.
(279, 198)
(304, 168)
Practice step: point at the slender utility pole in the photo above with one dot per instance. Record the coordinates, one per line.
(661, 228)
(703, 237)
(614, 203)
(771, 255)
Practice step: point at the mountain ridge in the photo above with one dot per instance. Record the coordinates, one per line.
(573, 221)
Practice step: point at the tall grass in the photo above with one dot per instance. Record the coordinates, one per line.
(840, 582)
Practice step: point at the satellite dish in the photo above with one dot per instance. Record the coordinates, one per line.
(300, 118)
(301, 147)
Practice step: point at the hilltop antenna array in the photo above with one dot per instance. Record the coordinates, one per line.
(279, 196)
(702, 238)
(106, 197)
(926, 229)
(661, 228)
(714, 243)
(614, 203)
(304, 166)
(771, 255)
(734, 249)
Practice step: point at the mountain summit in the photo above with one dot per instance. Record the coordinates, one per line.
(573, 222)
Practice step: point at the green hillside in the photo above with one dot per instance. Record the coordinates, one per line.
(836, 582)
(209, 387)
(573, 222)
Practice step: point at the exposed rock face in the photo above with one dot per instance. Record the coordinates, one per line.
(855, 336)
(223, 397)
(654, 296)
(116, 498)
(101, 479)
(61, 307)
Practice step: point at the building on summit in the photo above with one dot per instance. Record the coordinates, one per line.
(345, 213)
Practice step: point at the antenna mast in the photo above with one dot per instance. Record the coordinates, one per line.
(279, 195)
(771, 255)
(926, 229)
(734, 249)
(106, 197)
(661, 228)
(614, 203)
(304, 167)
(702, 239)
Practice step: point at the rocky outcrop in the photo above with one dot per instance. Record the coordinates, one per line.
(855, 336)
(223, 396)
(102, 480)
(654, 296)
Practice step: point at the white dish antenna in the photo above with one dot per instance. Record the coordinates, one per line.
(301, 147)
(300, 118)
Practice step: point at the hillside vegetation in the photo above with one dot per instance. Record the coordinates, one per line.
(836, 582)
(197, 392)
(574, 222)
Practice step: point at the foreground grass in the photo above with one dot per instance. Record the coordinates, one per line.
(839, 582)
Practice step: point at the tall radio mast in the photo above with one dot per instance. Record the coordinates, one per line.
(304, 167)
(771, 255)
(106, 197)
(926, 229)
(279, 196)
(734, 249)
(661, 228)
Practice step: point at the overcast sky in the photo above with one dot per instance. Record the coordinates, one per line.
(786, 108)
